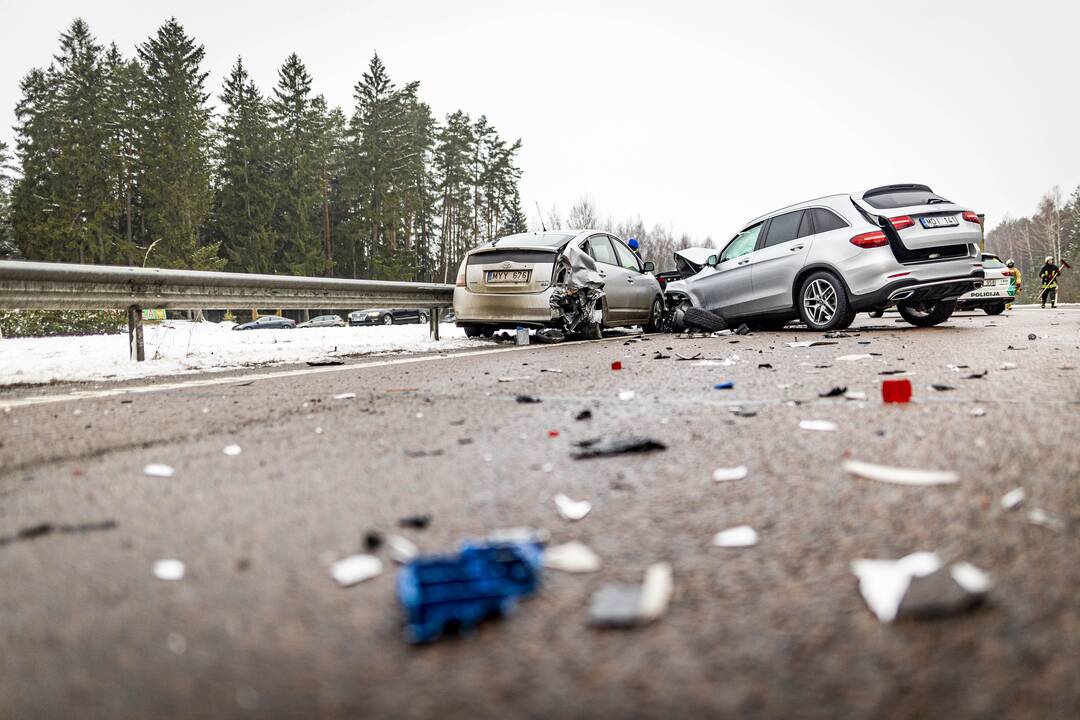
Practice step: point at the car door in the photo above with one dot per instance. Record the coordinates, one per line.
(641, 289)
(783, 252)
(726, 287)
(616, 289)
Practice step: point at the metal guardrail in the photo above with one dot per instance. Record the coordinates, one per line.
(58, 286)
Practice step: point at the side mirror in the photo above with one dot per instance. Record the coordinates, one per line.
(649, 266)
(713, 261)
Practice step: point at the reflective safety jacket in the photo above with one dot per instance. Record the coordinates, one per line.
(1049, 276)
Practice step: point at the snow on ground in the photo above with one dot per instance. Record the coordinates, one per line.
(177, 347)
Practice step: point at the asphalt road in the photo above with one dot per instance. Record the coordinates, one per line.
(257, 628)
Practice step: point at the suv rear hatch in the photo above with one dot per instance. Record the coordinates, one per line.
(921, 225)
(507, 270)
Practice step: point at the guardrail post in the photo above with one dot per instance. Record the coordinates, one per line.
(135, 334)
(433, 318)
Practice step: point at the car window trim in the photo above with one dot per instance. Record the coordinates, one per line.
(612, 239)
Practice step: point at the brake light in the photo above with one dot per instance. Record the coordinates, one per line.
(461, 275)
(901, 222)
(971, 217)
(870, 240)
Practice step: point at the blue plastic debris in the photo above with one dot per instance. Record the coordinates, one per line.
(441, 593)
(726, 385)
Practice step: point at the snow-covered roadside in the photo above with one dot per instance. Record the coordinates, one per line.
(178, 347)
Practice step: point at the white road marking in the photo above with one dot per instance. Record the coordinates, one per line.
(244, 379)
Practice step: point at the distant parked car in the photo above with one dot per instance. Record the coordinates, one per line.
(387, 316)
(323, 321)
(267, 322)
(998, 288)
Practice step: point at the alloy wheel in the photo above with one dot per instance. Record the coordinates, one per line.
(819, 301)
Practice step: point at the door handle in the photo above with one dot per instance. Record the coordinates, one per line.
(630, 280)
(797, 247)
(743, 262)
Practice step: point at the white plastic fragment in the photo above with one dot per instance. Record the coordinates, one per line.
(232, 450)
(572, 509)
(402, 549)
(899, 476)
(808, 343)
(355, 569)
(1012, 499)
(572, 557)
(818, 425)
(656, 591)
(1042, 518)
(627, 395)
(855, 395)
(850, 358)
(736, 537)
(1009, 366)
(515, 378)
(159, 470)
(978, 411)
(169, 569)
(345, 396)
(884, 582)
(725, 474)
(971, 578)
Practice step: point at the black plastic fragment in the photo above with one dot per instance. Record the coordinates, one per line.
(528, 399)
(835, 392)
(608, 446)
(417, 522)
(584, 415)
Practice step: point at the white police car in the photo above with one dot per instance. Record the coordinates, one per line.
(998, 288)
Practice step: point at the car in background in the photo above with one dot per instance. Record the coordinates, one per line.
(267, 322)
(387, 316)
(824, 260)
(688, 262)
(997, 291)
(323, 321)
(509, 282)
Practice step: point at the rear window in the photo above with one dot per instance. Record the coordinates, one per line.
(826, 220)
(889, 199)
(539, 239)
(989, 261)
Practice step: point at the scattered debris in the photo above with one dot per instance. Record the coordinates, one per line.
(810, 343)
(851, 358)
(1013, 499)
(345, 396)
(740, 412)
(1042, 518)
(978, 411)
(726, 474)
(837, 334)
(1032, 336)
(940, 593)
(627, 395)
(232, 450)
(417, 522)
(977, 376)
(553, 433)
(355, 569)
(835, 392)
(36, 531)
(726, 385)
(528, 399)
(551, 370)
(736, 537)
(765, 366)
(899, 476)
(896, 391)
(616, 365)
(323, 363)
(743, 329)
(515, 378)
(440, 592)
(616, 445)
(572, 557)
(549, 336)
(169, 570)
(584, 415)
(620, 605)
(883, 583)
(158, 470)
(1009, 366)
(571, 509)
(854, 395)
(695, 356)
(402, 550)
(818, 425)
(942, 388)
(660, 356)
(373, 540)
(892, 372)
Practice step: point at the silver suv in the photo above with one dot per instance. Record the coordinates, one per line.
(825, 260)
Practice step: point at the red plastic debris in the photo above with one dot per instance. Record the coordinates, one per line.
(896, 391)
(553, 433)
(617, 365)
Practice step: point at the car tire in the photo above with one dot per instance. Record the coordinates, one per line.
(995, 309)
(703, 319)
(927, 314)
(823, 303)
(387, 319)
(656, 317)
(423, 318)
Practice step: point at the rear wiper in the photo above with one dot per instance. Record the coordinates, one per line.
(933, 201)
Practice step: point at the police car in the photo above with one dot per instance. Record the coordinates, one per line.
(998, 288)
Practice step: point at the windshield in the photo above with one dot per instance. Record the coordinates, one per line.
(539, 239)
(990, 261)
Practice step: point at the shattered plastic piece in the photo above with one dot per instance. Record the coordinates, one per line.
(977, 376)
(818, 425)
(417, 522)
(584, 415)
(892, 372)
(883, 583)
(549, 336)
(345, 396)
(439, 592)
(743, 329)
(621, 605)
(169, 569)
(355, 569)
(36, 531)
(971, 578)
(899, 476)
(232, 450)
(726, 474)
(850, 358)
(736, 537)
(528, 399)
(553, 433)
(616, 445)
(835, 392)
(942, 388)
(660, 356)
(514, 378)
(726, 385)
(528, 535)
(765, 366)
(837, 334)
(810, 343)
(402, 550)
(1009, 366)
(1042, 518)
(695, 356)
(978, 411)
(896, 391)
(616, 365)
(551, 370)
(656, 591)
(627, 395)
(159, 470)
(1032, 336)
(854, 395)
(572, 509)
(939, 594)
(1013, 499)
(372, 540)
(572, 557)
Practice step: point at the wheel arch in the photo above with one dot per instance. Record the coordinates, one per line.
(809, 270)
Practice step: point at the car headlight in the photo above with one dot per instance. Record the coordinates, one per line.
(373, 314)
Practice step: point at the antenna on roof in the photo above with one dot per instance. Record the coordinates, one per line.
(541, 215)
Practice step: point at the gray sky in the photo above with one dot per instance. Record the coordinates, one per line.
(693, 115)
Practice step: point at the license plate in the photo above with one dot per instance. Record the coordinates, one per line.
(508, 276)
(989, 283)
(939, 221)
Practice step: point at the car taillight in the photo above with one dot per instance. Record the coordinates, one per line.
(870, 240)
(971, 217)
(902, 221)
(461, 275)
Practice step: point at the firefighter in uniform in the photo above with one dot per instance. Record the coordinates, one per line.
(1049, 275)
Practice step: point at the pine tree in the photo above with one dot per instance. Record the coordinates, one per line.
(173, 150)
(124, 80)
(36, 227)
(8, 249)
(453, 168)
(514, 219)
